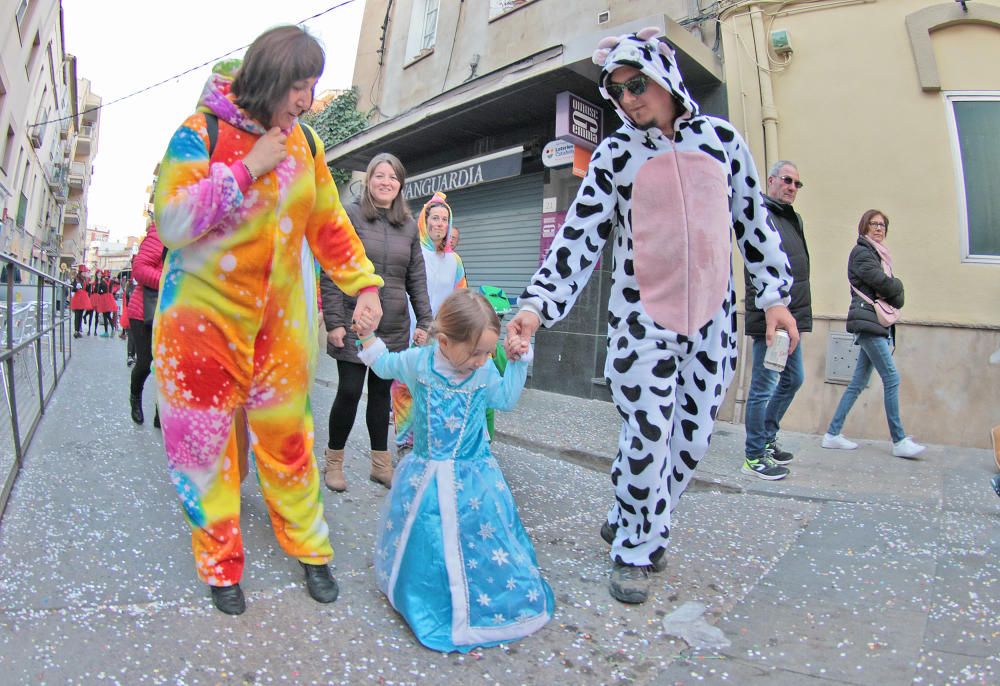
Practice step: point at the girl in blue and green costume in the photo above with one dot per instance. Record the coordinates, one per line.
(445, 274)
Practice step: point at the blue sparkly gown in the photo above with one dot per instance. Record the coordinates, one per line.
(451, 554)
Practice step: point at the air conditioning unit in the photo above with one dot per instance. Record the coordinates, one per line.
(36, 137)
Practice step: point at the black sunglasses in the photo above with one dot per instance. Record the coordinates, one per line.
(791, 182)
(635, 85)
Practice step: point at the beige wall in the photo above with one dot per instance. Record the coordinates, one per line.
(464, 29)
(852, 114)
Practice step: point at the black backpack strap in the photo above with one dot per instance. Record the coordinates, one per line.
(310, 138)
(212, 125)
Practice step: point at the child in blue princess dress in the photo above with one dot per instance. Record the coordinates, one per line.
(452, 555)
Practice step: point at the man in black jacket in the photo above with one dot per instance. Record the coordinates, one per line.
(772, 392)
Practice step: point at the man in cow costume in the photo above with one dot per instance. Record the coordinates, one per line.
(669, 187)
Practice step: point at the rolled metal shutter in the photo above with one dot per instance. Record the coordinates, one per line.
(500, 225)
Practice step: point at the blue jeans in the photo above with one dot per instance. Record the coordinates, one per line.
(875, 352)
(770, 395)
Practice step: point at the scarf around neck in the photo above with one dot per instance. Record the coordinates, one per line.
(884, 255)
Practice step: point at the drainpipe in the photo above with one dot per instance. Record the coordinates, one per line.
(768, 111)
(769, 122)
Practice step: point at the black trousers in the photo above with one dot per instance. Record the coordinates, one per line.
(77, 320)
(142, 335)
(345, 405)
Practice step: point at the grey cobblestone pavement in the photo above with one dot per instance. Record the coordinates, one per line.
(860, 568)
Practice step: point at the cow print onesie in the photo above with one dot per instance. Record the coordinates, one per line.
(670, 205)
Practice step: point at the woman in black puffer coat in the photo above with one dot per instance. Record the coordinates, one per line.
(869, 270)
(392, 242)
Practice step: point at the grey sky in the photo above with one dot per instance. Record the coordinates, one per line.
(123, 46)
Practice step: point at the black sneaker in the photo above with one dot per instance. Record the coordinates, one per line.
(777, 454)
(629, 584)
(320, 583)
(229, 599)
(764, 468)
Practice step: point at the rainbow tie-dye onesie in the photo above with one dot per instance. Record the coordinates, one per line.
(236, 326)
(445, 273)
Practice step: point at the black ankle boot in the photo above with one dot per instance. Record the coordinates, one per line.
(136, 402)
(229, 599)
(322, 586)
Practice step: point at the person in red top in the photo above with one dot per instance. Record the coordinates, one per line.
(93, 315)
(126, 325)
(106, 304)
(80, 301)
(147, 266)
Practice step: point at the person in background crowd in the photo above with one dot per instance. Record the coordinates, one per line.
(80, 302)
(147, 267)
(445, 274)
(232, 326)
(106, 304)
(94, 314)
(869, 271)
(772, 392)
(392, 241)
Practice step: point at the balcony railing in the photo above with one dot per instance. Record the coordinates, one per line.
(77, 174)
(71, 215)
(56, 176)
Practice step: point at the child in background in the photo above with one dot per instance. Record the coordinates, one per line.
(445, 274)
(452, 555)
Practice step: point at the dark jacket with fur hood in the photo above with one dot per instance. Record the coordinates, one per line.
(864, 271)
(395, 252)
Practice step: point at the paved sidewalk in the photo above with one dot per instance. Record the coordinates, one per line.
(860, 568)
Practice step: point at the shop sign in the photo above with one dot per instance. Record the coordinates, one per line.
(492, 167)
(557, 153)
(551, 224)
(578, 121)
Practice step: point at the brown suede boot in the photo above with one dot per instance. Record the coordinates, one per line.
(382, 467)
(334, 476)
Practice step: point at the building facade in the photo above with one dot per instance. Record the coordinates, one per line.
(42, 138)
(496, 103)
(895, 105)
(79, 158)
(472, 97)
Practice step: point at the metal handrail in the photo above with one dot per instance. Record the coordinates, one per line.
(56, 328)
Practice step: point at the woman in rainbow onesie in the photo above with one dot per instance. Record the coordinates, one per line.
(235, 326)
(445, 274)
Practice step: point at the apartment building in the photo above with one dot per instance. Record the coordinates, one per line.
(42, 189)
(79, 160)
(892, 104)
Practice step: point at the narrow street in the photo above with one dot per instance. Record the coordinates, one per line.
(859, 569)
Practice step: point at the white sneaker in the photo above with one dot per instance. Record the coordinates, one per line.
(907, 448)
(838, 442)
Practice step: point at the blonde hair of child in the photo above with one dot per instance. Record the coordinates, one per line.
(464, 316)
